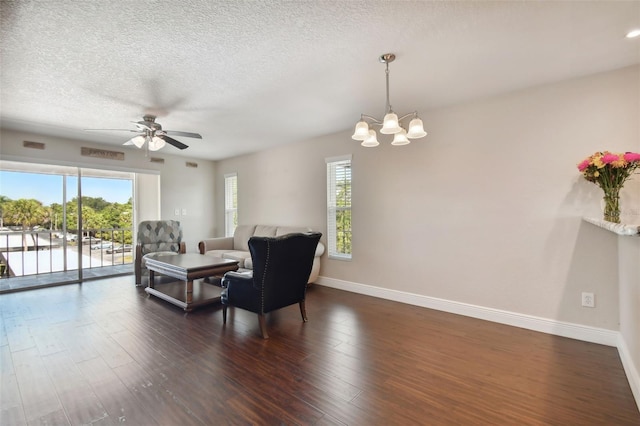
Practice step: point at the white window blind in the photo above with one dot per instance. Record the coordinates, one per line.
(230, 204)
(339, 207)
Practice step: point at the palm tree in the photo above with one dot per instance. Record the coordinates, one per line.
(26, 213)
(55, 215)
(3, 200)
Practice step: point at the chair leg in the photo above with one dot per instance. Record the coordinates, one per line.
(303, 311)
(263, 326)
(224, 314)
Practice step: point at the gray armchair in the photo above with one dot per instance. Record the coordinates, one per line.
(156, 236)
(281, 267)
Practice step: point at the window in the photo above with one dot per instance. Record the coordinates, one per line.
(230, 204)
(339, 207)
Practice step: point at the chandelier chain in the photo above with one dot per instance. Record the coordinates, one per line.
(387, 77)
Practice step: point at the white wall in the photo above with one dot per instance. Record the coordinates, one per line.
(190, 191)
(181, 187)
(147, 197)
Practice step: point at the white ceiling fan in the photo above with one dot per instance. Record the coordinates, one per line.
(153, 134)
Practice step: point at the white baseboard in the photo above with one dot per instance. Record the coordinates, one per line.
(544, 325)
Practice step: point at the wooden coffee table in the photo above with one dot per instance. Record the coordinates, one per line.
(187, 293)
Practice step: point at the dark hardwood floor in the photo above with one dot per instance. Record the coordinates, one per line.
(105, 353)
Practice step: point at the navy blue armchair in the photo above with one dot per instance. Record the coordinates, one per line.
(281, 267)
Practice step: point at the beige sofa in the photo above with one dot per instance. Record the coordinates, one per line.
(237, 247)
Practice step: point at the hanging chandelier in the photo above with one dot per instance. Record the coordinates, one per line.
(391, 124)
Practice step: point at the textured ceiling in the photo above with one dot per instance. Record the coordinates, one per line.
(248, 75)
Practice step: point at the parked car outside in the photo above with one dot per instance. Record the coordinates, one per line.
(120, 249)
(102, 246)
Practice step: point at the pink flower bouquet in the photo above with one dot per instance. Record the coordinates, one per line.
(609, 171)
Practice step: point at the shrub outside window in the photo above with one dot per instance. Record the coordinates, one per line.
(339, 207)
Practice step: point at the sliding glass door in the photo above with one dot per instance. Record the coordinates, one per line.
(63, 224)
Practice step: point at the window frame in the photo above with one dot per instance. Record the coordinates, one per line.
(333, 249)
(230, 204)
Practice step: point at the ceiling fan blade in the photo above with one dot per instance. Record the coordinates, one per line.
(174, 142)
(185, 134)
(113, 130)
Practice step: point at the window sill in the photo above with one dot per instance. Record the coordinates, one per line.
(617, 228)
(340, 257)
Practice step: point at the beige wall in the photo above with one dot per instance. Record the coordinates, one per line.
(180, 187)
(485, 210)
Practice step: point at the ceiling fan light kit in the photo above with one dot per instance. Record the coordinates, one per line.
(152, 133)
(391, 124)
(137, 141)
(156, 143)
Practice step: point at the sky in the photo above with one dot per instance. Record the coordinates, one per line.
(48, 188)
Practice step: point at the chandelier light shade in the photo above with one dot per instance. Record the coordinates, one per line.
(371, 140)
(400, 138)
(416, 129)
(362, 131)
(390, 124)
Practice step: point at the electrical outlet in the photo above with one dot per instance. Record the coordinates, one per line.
(588, 300)
(176, 212)
(184, 212)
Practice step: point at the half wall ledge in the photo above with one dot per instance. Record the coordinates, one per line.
(616, 228)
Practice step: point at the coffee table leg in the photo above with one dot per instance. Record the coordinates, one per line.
(151, 278)
(189, 295)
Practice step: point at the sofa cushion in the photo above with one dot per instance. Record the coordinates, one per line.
(215, 253)
(284, 230)
(240, 256)
(264, 231)
(160, 247)
(241, 237)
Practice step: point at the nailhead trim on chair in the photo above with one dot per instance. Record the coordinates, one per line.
(264, 278)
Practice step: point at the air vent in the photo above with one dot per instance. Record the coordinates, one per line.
(101, 153)
(33, 145)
